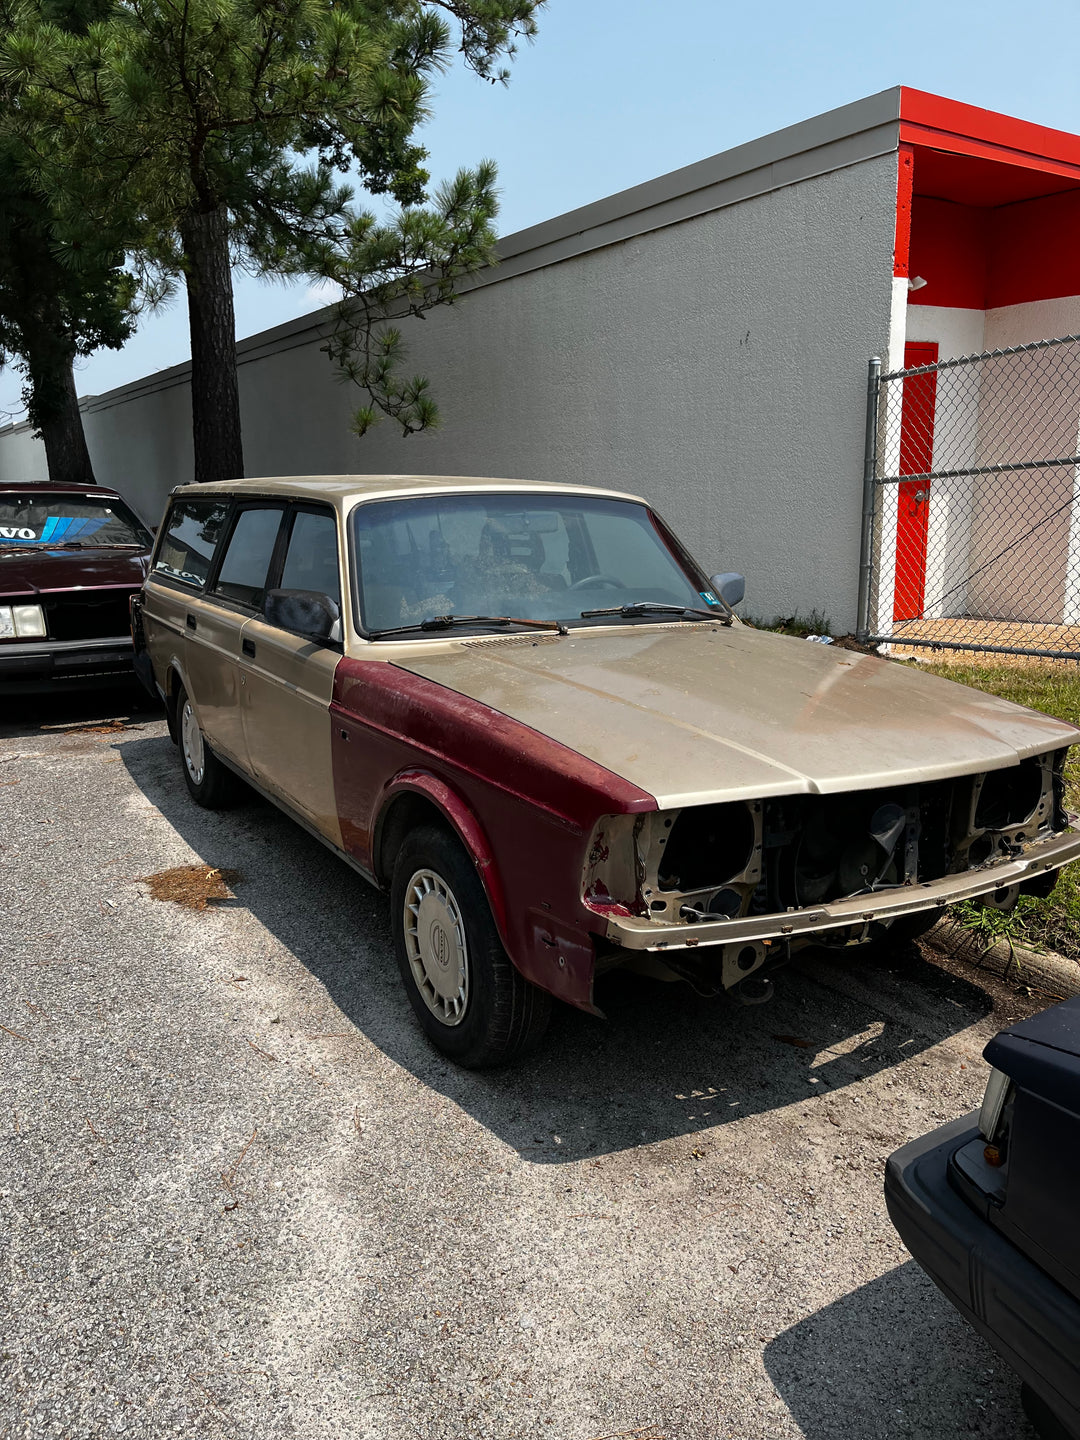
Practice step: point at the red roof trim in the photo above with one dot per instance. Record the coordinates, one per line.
(968, 130)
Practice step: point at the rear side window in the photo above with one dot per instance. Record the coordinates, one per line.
(311, 561)
(193, 530)
(248, 553)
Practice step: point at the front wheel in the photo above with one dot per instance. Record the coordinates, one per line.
(471, 1001)
(210, 783)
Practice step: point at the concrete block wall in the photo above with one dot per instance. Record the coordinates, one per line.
(702, 345)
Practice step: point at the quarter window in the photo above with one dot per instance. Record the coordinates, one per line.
(250, 548)
(187, 547)
(311, 561)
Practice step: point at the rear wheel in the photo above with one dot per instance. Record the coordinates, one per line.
(210, 783)
(471, 1001)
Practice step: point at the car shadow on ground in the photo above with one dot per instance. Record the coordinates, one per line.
(893, 1358)
(22, 715)
(665, 1063)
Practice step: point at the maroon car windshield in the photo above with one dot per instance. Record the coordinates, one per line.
(68, 521)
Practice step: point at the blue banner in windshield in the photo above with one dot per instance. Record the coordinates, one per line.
(57, 528)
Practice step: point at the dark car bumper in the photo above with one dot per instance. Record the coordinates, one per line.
(1028, 1318)
(30, 667)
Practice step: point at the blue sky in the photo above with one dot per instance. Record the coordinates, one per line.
(614, 92)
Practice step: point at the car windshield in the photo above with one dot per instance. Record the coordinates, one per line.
(62, 520)
(530, 556)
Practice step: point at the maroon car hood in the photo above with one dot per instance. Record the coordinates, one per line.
(24, 572)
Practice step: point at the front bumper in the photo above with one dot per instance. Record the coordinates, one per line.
(1031, 1322)
(39, 665)
(634, 932)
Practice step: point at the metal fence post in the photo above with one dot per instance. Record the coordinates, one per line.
(869, 501)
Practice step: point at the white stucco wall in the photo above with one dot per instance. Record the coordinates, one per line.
(716, 366)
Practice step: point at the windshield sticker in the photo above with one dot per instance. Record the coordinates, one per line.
(708, 597)
(56, 529)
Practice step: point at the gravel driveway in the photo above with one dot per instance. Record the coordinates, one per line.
(241, 1196)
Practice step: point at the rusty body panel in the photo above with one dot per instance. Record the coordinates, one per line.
(524, 806)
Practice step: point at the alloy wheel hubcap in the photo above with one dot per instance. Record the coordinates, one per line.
(192, 741)
(436, 947)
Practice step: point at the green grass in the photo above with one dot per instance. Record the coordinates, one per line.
(1054, 688)
(799, 625)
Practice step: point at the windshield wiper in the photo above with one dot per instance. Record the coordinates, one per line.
(655, 607)
(88, 545)
(448, 622)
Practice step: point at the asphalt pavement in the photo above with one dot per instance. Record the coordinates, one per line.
(241, 1196)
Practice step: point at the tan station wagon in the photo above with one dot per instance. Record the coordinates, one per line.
(525, 711)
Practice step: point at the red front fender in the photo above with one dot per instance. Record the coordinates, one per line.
(461, 818)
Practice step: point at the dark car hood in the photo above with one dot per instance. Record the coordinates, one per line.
(1042, 1054)
(26, 572)
(1058, 1028)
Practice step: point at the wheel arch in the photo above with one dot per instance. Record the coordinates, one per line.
(420, 798)
(173, 683)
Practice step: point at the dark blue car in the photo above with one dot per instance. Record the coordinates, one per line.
(990, 1208)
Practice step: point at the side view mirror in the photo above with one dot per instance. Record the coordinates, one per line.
(302, 612)
(730, 586)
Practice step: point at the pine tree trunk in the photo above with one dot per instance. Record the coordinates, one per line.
(215, 396)
(54, 412)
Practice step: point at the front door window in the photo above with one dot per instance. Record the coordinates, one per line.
(246, 563)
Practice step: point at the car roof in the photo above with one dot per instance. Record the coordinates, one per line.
(46, 487)
(345, 489)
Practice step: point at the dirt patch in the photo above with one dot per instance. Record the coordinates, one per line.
(848, 642)
(1011, 1000)
(102, 731)
(193, 886)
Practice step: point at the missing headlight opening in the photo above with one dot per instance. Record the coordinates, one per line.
(745, 860)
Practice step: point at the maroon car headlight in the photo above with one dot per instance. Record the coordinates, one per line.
(21, 622)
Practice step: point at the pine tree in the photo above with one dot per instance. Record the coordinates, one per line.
(223, 127)
(63, 291)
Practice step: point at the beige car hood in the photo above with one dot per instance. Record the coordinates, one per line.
(697, 713)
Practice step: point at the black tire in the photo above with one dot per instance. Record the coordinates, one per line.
(904, 931)
(1043, 1420)
(213, 785)
(494, 1015)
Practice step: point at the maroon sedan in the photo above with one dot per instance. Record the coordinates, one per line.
(70, 559)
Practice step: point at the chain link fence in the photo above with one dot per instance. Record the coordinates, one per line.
(971, 505)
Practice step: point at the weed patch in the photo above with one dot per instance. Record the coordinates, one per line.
(1053, 688)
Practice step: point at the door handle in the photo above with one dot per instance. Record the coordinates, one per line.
(248, 647)
(192, 623)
